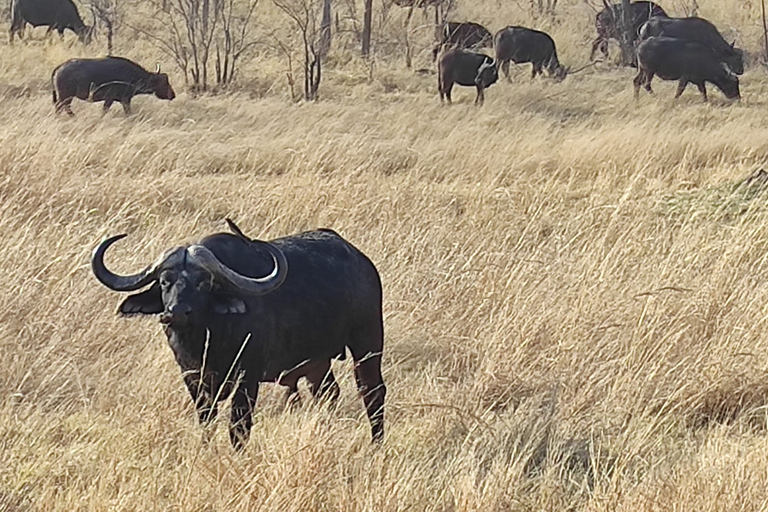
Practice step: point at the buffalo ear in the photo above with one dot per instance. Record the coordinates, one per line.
(225, 305)
(149, 302)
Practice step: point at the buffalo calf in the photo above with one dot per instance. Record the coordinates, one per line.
(108, 79)
(685, 61)
(465, 68)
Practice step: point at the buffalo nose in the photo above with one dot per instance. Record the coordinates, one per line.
(176, 314)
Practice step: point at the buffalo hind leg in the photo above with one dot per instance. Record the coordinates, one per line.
(505, 70)
(241, 418)
(66, 106)
(681, 87)
(370, 384)
(702, 90)
(126, 106)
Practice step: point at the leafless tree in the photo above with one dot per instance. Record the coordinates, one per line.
(304, 14)
(109, 14)
(194, 31)
(234, 37)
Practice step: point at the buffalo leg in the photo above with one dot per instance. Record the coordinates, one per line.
(324, 384)
(202, 397)
(241, 419)
(480, 96)
(106, 107)
(447, 91)
(702, 90)
(505, 70)
(638, 81)
(371, 386)
(648, 78)
(65, 105)
(681, 87)
(126, 106)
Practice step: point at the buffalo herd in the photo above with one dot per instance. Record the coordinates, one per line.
(238, 311)
(689, 50)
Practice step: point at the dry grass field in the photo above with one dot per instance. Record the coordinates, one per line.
(575, 293)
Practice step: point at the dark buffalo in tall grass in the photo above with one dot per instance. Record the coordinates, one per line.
(521, 44)
(608, 22)
(238, 312)
(465, 34)
(460, 67)
(685, 61)
(107, 79)
(697, 30)
(59, 15)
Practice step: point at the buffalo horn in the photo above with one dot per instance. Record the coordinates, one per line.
(122, 283)
(249, 285)
(158, 69)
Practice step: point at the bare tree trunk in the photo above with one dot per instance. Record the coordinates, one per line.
(325, 28)
(765, 29)
(627, 34)
(367, 17)
(408, 37)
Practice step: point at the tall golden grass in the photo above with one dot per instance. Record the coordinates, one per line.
(575, 293)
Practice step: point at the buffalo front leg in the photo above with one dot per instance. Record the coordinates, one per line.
(202, 396)
(126, 106)
(241, 419)
(480, 95)
(681, 87)
(638, 81)
(106, 107)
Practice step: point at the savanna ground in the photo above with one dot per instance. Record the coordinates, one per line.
(575, 293)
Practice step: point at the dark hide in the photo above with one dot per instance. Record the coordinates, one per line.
(465, 68)
(466, 35)
(685, 61)
(608, 22)
(330, 301)
(520, 44)
(59, 15)
(697, 30)
(107, 79)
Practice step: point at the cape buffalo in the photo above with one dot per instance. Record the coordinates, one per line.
(58, 15)
(699, 31)
(466, 35)
(238, 312)
(520, 44)
(457, 66)
(608, 22)
(108, 79)
(686, 61)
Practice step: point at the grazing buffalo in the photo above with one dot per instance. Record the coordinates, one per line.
(699, 31)
(520, 44)
(465, 68)
(58, 15)
(107, 79)
(686, 61)
(238, 312)
(608, 22)
(466, 35)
